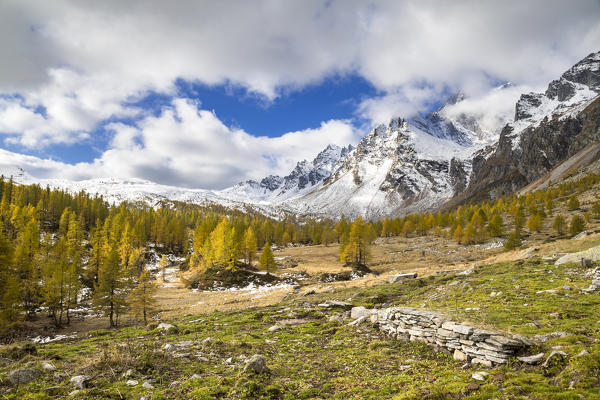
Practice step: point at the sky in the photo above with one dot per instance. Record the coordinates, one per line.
(206, 94)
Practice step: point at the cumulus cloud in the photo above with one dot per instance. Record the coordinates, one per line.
(187, 146)
(70, 66)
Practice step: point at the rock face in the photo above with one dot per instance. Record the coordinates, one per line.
(466, 343)
(548, 128)
(23, 376)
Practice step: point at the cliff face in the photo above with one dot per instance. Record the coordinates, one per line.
(548, 128)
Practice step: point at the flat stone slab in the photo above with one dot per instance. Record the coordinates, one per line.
(401, 277)
(532, 360)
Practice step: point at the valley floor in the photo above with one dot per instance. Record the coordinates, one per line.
(311, 352)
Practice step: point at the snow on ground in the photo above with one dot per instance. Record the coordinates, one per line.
(50, 339)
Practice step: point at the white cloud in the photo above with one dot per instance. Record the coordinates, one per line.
(185, 146)
(83, 61)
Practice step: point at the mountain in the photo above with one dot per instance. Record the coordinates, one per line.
(396, 169)
(306, 176)
(548, 128)
(429, 162)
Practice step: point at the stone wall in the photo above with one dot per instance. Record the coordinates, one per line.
(466, 343)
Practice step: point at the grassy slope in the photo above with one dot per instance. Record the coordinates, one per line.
(324, 359)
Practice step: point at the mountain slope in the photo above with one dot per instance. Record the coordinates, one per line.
(548, 128)
(396, 168)
(304, 178)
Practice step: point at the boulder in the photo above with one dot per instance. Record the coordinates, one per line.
(256, 364)
(23, 376)
(80, 381)
(395, 278)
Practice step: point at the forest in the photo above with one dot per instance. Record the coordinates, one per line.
(57, 246)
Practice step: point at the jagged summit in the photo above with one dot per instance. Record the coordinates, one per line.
(305, 176)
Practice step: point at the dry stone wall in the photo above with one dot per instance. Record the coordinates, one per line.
(465, 342)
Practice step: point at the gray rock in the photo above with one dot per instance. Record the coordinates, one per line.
(80, 381)
(532, 360)
(170, 347)
(395, 278)
(480, 376)
(163, 326)
(132, 382)
(358, 312)
(207, 341)
(335, 304)
(147, 385)
(59, 376)
(46, 366)
(553, 355)
(462, 329)
(460, 356)
(257, 364)
(358, 321)
(23, 376)
(174, 384)
(275, 328)
(52, 390)
(336, 318)
(127, 373)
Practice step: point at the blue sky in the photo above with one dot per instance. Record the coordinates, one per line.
(205, 95)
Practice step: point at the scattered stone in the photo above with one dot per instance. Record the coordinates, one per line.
(467, 271)
(52, 390)
(170, 347)
(174, 384)
(358, 321)
(163, 326)
(127, 373)
(275, 328)
(257, 364)
(335, 304)
(583, 353)
(553, 355)
(479, 376)
(207, 341)
(195, 376)
(59, 376)
(395, 278)
(147, 385)
(404, 368)
(532, 360)
(23, 376)
(74, 392)
(267, 341)
(46, 366)
(472, 387)
(80, 381)
(230, 360)
(132, 382)
(336, 318)
(549, 336)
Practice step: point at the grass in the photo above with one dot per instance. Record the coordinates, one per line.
(325, 359)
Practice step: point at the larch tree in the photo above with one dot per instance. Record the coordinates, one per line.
(267, 260)
(141, 298)
(250, 245)
(355, 250)
(108, 292)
